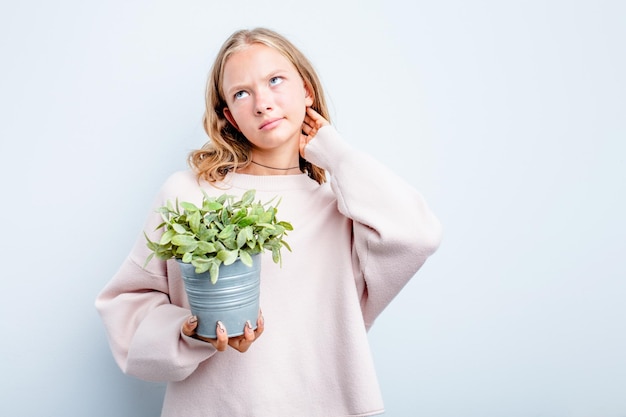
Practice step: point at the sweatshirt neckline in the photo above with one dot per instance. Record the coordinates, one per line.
(269, 182)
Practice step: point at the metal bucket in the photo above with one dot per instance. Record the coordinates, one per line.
(233, 299)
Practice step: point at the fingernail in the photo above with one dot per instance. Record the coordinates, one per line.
(249, 324)
(221, 327)
(192, 319)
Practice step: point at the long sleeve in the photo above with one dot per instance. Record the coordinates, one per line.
(143, 324)
(394, 229)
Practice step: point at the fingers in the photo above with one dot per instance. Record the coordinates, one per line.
(221, 343)
(249, 334)
(189, 326)
(243, 342)
(260, 325)
(222, 337)
(309, 130)
(189, 329)
(314, 119)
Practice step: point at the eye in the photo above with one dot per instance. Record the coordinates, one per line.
(240, 94)
(276, 80)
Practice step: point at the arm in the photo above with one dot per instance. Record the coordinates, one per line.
(394, 230)
(144, 328)
(143, 325)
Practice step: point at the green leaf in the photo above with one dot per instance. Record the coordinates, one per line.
(212, 206)
(238, 216)
(190, 207)
(248, 197)
(206, 247)
(286, 225)
(266, 217)
(187, 257)
(223, 198)
(164, 254)
(231, 244)
(245, 258)
(248, 220)
(194, 221)
(286, 245)
(179, 228)
(275, 255)
(167, 237)
(214, 270)
(184, 240)
(148, 259)
(242, 238)
(227, 256)
(227, 233)
(181, 250)
(202, 268)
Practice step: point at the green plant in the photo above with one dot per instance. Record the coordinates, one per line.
(219, 232)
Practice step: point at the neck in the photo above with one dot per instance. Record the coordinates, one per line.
(275, 168)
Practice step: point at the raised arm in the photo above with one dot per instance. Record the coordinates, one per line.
(394, 229)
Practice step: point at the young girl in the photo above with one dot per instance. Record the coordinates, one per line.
(358, 237)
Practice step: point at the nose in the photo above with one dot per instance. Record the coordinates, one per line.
(263, 102)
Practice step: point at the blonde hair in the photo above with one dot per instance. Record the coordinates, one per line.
(227, 148)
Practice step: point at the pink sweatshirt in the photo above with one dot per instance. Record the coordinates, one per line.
(357, 240)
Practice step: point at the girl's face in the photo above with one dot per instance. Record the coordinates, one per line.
(266, 98)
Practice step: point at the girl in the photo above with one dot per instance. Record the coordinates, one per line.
(357, 240)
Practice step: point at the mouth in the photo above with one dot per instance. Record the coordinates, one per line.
(269, 124)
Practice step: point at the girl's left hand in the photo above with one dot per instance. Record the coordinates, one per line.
(313, 121)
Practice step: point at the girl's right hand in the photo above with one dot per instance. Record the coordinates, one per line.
(313, 121)
(239, 343)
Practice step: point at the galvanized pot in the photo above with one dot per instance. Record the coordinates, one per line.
(233, 299)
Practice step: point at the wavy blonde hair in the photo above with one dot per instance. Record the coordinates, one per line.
(227, 148)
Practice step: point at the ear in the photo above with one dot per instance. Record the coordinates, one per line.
(230, 118)
(308, 95)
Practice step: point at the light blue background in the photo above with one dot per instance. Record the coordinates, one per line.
(508, 115)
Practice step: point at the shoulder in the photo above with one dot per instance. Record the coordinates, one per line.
(181, 178)
(180, 184)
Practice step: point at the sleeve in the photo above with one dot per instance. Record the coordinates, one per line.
(394, 229)
(143, 327)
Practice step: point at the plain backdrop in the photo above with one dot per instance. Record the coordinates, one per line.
(509, 116)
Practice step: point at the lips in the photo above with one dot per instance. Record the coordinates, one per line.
(270, 123)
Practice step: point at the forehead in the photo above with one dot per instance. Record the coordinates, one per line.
(252, 62)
